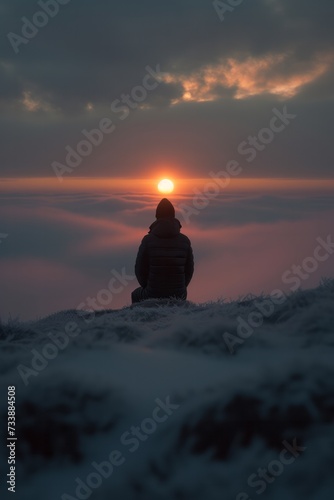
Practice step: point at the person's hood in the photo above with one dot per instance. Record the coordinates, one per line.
(165, 227)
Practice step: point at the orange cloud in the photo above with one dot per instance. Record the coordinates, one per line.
(33, 104)
(252, 76)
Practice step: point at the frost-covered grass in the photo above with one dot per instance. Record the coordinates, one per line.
(231, 414)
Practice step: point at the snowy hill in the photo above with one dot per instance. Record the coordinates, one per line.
(166, 400)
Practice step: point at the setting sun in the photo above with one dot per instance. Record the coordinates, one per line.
(166, 186)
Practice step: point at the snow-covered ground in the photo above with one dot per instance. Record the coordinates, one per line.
(169, 401)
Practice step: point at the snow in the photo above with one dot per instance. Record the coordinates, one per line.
(229, 415)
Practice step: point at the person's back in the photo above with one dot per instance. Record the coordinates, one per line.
(164, 264)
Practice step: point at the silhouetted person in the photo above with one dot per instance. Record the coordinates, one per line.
(165, 262)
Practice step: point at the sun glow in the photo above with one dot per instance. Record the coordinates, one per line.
(166, 186)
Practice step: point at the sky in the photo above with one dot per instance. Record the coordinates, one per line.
(101, 99)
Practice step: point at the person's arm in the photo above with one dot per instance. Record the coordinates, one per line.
(142, 264)
(189, 267)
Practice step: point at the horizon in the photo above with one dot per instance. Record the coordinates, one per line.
(151, 183)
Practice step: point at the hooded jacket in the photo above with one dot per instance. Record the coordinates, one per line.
(165, 263)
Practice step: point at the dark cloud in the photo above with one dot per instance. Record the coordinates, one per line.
(93, 52)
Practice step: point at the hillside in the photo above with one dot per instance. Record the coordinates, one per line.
(166, 400)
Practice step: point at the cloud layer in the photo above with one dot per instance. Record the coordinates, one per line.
(62, 249)
(65, 78)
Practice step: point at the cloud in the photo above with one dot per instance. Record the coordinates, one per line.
(61, 248)
(36, 286)
(224, 79)
(32, 104)
(250, 77)
(239, 260)
(124, 39)
(242, 209)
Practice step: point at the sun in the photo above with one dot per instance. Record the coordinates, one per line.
(166, 186)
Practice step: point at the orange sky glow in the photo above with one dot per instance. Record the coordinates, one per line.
(149, 186)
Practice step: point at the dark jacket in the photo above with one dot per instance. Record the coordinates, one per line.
(165, 263)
